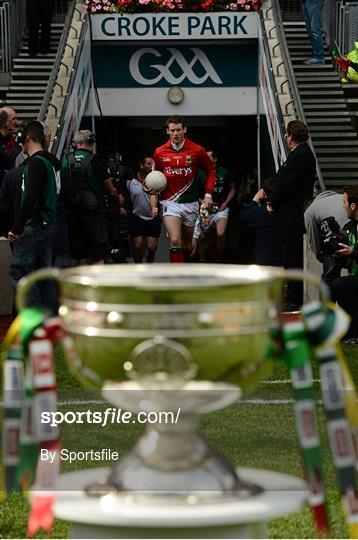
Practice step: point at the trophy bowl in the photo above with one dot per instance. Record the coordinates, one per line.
(148, 333)
(222, 314)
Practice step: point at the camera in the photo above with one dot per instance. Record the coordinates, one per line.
(331, 236)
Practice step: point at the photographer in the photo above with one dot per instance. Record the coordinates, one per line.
(268, 240)
(345, 289)
(117, 217)
(86, 179)
(324, 217)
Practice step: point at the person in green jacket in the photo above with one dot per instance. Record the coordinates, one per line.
(34, 231)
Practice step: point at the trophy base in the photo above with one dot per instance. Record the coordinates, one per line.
(221, 483)
(121, 516)
(172, 459)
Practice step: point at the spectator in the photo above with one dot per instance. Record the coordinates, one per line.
(34, 230)
(39, 14)
(327, 204)
(179, 159)
(268, 241)
(143, 226)
(312, 14)
(293, 185)
(345, 289)
(8, 147)
(88, 234)
(10, 198)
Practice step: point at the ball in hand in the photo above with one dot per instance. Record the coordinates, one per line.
(156, 181)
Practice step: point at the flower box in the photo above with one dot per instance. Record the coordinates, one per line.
(169, 6)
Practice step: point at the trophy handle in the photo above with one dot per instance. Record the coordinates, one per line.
(26, 283)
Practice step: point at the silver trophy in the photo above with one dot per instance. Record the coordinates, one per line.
(167, 337)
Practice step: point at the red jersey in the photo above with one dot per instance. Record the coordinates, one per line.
(181, 167)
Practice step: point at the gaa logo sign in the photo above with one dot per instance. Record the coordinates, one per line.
(174, 70)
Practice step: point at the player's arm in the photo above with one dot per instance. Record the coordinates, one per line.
(154, 203)
(210, 177)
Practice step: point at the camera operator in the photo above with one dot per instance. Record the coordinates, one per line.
(117, 221)
(324, 217)
(345, 289)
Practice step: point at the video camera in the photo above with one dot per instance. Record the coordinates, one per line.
(331, 236)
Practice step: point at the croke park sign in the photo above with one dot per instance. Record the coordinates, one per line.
(164, 26)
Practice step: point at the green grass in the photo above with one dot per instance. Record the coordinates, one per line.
(262, 436)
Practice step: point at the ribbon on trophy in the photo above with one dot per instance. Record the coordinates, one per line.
(316, 333)
(30, 389)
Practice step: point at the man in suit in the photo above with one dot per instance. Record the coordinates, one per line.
(293, 185)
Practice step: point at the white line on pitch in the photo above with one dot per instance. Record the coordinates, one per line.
(285, 381)
(242, 401)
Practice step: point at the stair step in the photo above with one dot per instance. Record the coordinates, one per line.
(34, 73)
(29, 60)
(299, 47)
(26, 102)
(312, 78)
(329, 88)
(344, 150)
(333, 160)
(25, 116)
(26, 95)
(17, 89)
(320, 129)
(298, 40)
(338, 124)
(338, 165)
(308, 69)
(336, 143)
(331, 113)
(53, 45)
(340, 181)
(329, 96)
(298, 60)
(27, 82)
(296, 35)
(26, 108)
(326, 104)
(293, 23)
(333, 135)
(31, 67)
(321, 108)
(24, 53)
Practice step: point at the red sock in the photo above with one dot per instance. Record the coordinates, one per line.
(176, 255)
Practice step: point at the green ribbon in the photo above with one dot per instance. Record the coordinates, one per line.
(31, 319)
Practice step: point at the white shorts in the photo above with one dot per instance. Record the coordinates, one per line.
(223, 214)
(186, 212)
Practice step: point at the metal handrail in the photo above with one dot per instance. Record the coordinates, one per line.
(292, 81)
(5, 52)
(11, 30)
(70, 86)
(272, 84)
(57, 62)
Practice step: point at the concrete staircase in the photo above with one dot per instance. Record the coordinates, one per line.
(327, 111)
(29, 78)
